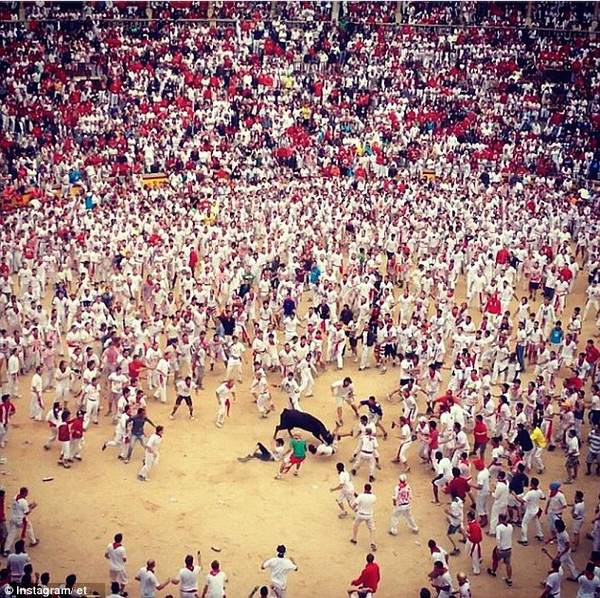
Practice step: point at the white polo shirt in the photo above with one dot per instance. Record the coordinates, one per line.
(365, 504)
(279, 567)
(19, 509)
(188, 580)
(504, 536)
(116, 557)
(216, 584)
(148, 583)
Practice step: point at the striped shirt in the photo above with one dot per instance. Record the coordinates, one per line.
(594, 442)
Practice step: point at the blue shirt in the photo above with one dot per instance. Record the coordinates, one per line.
(374, 408)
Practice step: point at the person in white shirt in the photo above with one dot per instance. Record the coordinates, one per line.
(464, 586)
(503, 550)
(19, 524)
(578, 514)
(500, 504)
(151, 454)
(344, 488)
(589, 582)
(441, 580)
(117, 380)
(188, 576)
(184, 393)
(367, 453)
(531, 502)
(364, 505)
(563, 549)
(16, 562)
(148, 582)
(553, 582)
(279, 567)
(455, 514)
(261, 452)
(225, 393)
(444, 475)
(343, 391)
(120, 433)
(556, 504)
(12, 370)
(572, 456)
(162, 371)
(402, 501)
(593, 300)
(36, 410)
(117, 557)
(482, 486)
(90, 399)
(215, 582)
(405, 437)
(234, 363)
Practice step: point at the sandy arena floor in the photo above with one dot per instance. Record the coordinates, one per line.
(201, 496)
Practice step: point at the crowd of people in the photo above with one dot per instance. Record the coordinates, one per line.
(575, 16)
(329, 191)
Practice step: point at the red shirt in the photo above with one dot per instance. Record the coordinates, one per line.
(474, 532)
(480, 433)
(7, 410)
(434, 435)
(460, 486)
(76, 428)
(502, 256)
(134, 368)
(369, 577)
(591, 354)
(493, 305)
(63, 432)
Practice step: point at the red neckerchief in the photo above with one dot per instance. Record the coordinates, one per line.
(215, 572)
(116, 545)
(190, 568)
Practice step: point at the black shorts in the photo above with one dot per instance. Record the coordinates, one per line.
(389, 350)
(534, 286)
(179, 399)
(265, 453)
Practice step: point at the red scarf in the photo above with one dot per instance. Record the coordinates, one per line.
(215, 571)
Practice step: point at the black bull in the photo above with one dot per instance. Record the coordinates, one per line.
(291, 418)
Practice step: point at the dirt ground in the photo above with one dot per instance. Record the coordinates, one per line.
(201, 496)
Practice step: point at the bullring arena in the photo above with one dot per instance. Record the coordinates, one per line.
(283, 195)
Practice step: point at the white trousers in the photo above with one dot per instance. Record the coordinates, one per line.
(150, 460)
(497, 510)
(406, 512)
(365, 458)
(16, 530)
(531, 517)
